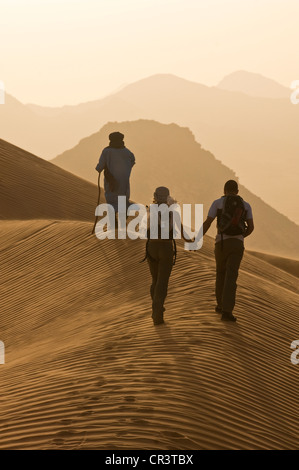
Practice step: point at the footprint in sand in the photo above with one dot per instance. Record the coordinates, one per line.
(140, 422)
(65, 433)
(110, 358)
(126, 408)
(130, 399)
(72, 393)
(122, 420)
(93, 398)
(101, 382)
(172, 434)
(146, 409)
(164, 372)
(151, 380)
(66, 421)
(85, 407)
(196, 341)
(158, 390)
(87, 413)
(116, 387)
(58, 442)
(126, 337)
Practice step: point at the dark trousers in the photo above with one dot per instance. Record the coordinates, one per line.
(228, 259)
(160, 261)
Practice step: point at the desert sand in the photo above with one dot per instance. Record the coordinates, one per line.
(85, 367)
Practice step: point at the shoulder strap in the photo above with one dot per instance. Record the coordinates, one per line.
(174, 251)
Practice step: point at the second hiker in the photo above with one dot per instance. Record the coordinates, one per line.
(161, 253)
(234, 223)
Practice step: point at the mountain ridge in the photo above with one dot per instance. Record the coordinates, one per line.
(254, 84)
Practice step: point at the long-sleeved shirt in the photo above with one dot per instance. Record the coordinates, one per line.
(117, 164)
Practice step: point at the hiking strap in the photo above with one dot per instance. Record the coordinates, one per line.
(174, 251)
(99, 196)
(146, 252)
(147, 255)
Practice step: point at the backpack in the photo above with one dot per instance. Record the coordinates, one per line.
(231, 219)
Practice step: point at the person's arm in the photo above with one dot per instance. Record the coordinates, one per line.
(249, 221)
(207, 224)
(189, 240)
(249, 228)
(211, 216)
(102, 162)
(133, 161)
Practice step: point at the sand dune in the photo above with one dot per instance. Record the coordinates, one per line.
(86, 369)
(33, 188)
(84, 366)
(289, 265)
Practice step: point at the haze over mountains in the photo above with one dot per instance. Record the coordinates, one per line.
(169, 155)
(254, 84)
(84, 366)
(255, 136)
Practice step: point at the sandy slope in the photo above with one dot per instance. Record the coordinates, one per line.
(289, 265)
(86, 369)
(30, 187)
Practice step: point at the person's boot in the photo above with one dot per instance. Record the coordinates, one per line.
(227, 316)
(218, 309)
(158, 318)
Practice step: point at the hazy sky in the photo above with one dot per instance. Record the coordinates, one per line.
(56, 52)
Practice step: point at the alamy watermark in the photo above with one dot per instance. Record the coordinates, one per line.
(2, 353)
(146, 222)
(295, 354)
(2, 93)
(295, 95)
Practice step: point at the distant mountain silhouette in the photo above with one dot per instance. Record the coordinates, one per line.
(47, 131)
(169, 155)
(32, 188)
(254, 84)
(257, 137)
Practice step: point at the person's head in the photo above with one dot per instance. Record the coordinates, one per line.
(116, 140)
(231, 187)
(162, 196)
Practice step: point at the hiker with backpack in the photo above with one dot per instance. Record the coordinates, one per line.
(234, 223)
(161, 254)
(116, 161)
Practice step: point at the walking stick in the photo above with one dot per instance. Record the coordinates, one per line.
(99, 195)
